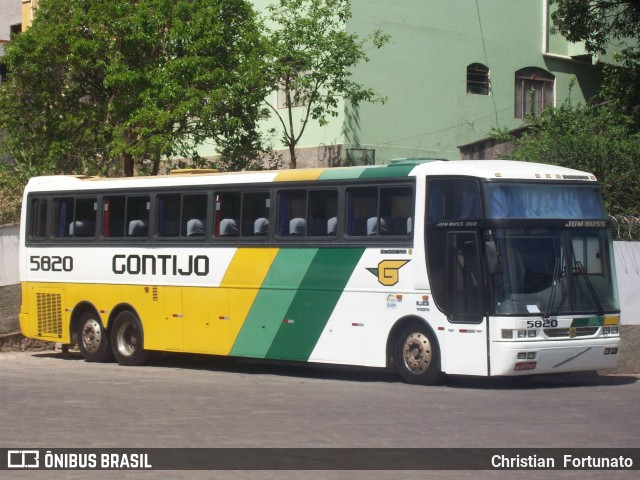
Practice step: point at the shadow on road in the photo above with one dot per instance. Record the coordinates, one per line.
(247, 366)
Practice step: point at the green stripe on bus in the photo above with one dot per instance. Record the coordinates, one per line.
(587, 322)
(314, 303)
(388, 171)
(272, 302)
(342, 173)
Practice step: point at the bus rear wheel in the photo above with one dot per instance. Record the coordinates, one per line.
(128, 340)
(417, 356)
(93, 339)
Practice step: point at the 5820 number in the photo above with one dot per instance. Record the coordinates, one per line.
(45, 263)
(542, 323)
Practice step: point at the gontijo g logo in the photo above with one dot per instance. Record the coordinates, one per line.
(388, 271)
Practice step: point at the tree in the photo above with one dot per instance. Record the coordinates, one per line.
(310, 62)
(603, 25)
(590, 138)
(100, 86)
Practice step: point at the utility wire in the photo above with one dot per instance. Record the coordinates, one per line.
(486, 59)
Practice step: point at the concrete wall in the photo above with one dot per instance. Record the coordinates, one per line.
(9, 255)
(10, 14)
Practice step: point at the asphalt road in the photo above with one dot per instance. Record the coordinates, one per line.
(53, 401)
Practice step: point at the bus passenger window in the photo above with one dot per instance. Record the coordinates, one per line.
(323, 206)
(255, 214)
(292, 213)
(362, 211)
(194, 214)
(227, 214)
(62, 216)
(137, 219)
(84, 223)
(74, 217)
(396, 211)
(113, 216)
(38, 219)
(307, 213)
(168, 215)
(373, 211)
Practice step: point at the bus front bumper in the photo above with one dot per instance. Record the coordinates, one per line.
(532, 358)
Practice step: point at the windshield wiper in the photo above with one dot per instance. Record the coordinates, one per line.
(592, 290)
(554, 283)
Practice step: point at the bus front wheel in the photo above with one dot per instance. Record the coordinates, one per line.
(127, 339)
(93, 339)
(417, 356)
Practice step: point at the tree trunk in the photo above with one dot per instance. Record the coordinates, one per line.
(293, 163)
(128, 165)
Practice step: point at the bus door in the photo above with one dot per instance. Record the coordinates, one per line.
(466, 329)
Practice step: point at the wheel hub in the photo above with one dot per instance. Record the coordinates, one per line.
(91, 336)
(416, 352)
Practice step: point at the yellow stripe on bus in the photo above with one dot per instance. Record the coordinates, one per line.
(299, 175)
(243, 279)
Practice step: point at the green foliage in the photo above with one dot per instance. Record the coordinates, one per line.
(594, 139)
(605, 25)
(310, 61)
(13, 177)
(598, 23)
(100, 86)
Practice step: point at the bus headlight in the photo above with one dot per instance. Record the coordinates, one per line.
(507, 334)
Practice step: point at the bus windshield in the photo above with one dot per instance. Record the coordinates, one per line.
(543, 201)
(553, 272)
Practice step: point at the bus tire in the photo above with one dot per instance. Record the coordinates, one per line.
(127, 339)
(417, 356)
(93, 339)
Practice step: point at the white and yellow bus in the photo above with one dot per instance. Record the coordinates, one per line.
(460, 267)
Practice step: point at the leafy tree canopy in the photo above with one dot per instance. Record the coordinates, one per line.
(98, 86)
(310, 62)
(608, 26)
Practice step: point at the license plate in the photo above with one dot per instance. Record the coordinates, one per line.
(525, 366)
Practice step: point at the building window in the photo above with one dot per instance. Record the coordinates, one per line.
(534, 89)
(478, 79)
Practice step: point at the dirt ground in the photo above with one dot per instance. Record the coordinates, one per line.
(11, 340)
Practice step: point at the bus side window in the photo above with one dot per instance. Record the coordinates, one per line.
(38, 219)
(227, 214)
(84, 222)
(322, 207)
(137, 219)
(396, 211)
(168, 215)
(255, 214)
(74, 217)
(113, 216)
(194, 214)
(292, 213)
(362, 211)
(373, 211)
(62, 216)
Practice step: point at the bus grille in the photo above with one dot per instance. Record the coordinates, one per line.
(570, 332)
(49, 314)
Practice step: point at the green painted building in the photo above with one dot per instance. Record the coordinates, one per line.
(452, 71)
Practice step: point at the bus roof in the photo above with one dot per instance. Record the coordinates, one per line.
(488, 169)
